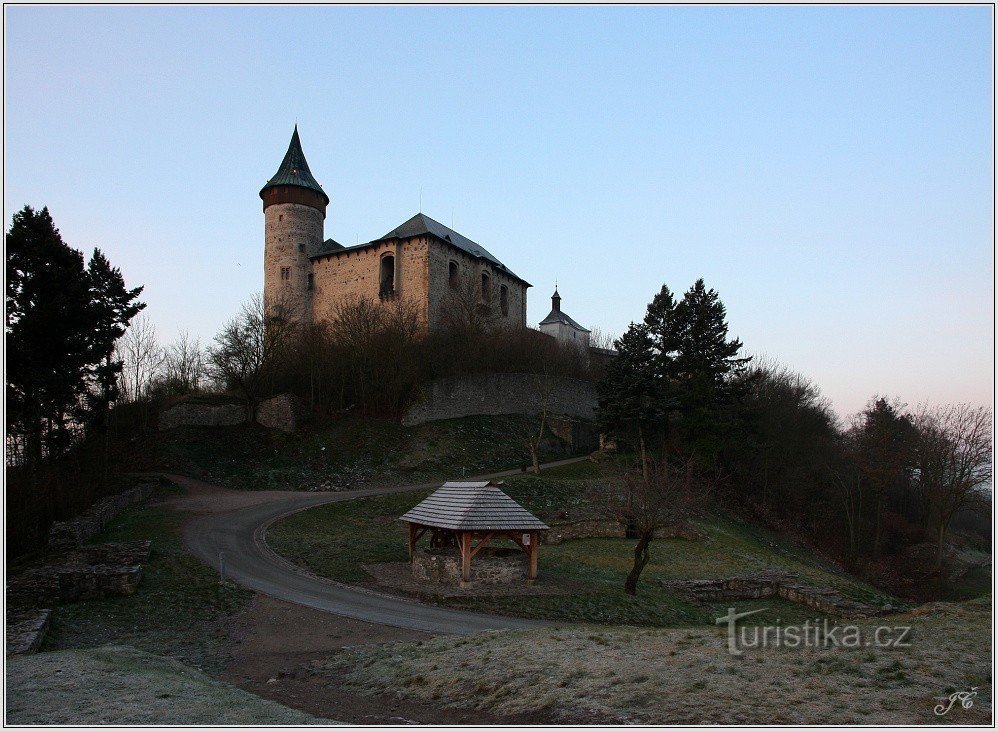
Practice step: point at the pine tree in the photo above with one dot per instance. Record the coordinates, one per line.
(706, 366)
(628, 396)
(112, 307)
(61, 323)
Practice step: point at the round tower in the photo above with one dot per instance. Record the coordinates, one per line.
(294, 208)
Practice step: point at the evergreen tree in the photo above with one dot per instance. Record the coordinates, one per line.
(628, 394)
(707, 368)
(112, 307)
(61, 319)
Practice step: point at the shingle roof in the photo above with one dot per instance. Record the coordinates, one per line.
(294, 170)
(421, 225)
(479, 506)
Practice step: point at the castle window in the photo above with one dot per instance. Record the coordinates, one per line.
(301, 247)
(485, 285)
(452, 274)
(280, 217)
(311, 280)
(285, 274)
(387, 288)
(504, 300)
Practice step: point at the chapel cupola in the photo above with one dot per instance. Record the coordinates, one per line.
(556, 300)
(293, 182)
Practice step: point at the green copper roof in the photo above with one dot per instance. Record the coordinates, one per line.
(294, 170)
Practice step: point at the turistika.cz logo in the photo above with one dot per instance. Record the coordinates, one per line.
(819, 633)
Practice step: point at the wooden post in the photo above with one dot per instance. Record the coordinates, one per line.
(532, 571)
(412, 540)
(465, 539)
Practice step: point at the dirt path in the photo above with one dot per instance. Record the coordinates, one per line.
(275, 643)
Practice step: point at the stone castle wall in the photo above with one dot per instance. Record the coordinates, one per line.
(469, 283)
(493, 394)
(355, 275)
(292, 232)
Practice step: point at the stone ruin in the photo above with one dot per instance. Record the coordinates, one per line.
(89, 572)
(774, 583)
(71, 533)
(74, 571)
(282, 412)
(566, 525)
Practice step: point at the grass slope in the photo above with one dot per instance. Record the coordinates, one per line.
(175, 610)
(334, 540)
(353, 452)
(122, 685)
(671, 676)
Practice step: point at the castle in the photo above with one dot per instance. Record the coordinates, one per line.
(427, 265)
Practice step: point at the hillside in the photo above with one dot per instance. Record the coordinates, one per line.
(346, 453)
(339, 539)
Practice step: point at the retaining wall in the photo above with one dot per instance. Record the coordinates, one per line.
(495, 394)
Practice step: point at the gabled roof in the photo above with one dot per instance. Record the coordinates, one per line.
(478, 506)
(294, 170)
(423, 225)
(558, 316)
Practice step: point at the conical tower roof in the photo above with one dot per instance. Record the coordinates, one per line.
(294, 170)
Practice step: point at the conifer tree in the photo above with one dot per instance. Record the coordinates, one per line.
(61, 319)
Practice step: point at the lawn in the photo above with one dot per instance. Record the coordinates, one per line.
(628, 675)
(350, 453)
(175, 610)
(334, 540)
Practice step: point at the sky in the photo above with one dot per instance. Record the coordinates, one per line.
(828, 170)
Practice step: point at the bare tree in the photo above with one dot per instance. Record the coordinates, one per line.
(142, 356)
(470, 308)
(185, 366)
(667, 496)
(542, 386)
(250, 350)
(954, 463)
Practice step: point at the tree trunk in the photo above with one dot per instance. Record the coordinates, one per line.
(535, 463)
(644, 454)
(939, 545)
(641, 557)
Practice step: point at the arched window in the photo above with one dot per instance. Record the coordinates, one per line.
(504, 300)
(452, 274)
(387, 288)
(485, 285)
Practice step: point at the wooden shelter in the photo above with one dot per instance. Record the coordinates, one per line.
(461, 513)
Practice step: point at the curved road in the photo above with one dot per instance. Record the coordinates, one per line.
(238, 538)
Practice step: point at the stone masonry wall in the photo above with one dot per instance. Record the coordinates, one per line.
(282, 412)
(354, 275)
(422, 279)
(202, 415)
(770, 584)
(493, 394)
(469, 280)
(70, 533)
(443, 566)
(292, 232)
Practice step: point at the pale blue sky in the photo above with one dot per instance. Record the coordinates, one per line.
(829, 170)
